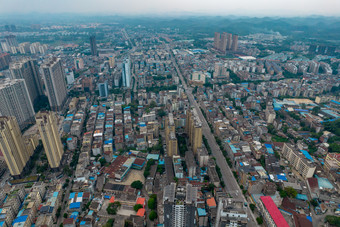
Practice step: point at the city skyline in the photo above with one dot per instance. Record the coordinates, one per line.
(117, 114)
(154, 8)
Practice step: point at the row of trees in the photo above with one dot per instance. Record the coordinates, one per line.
(152, 204)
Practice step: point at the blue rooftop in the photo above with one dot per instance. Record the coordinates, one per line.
(282, 177)
(152, 156)
(201, 212)
(20, 219)
(72, 195)
(336, 102)
(307, 155)
(302, 197)
(268, 145)
(324, 183)
(75, 205)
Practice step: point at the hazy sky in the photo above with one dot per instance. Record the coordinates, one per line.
(159, 7)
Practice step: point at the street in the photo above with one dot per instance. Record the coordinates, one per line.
(231, 184)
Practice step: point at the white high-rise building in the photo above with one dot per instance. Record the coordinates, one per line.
(126, 73)
(54, 79)
(34, 48)
(5, 46)
(15, 101)
(24, 48)
(28, 70)
(70, 78)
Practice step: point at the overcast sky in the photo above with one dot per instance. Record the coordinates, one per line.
(176, 7)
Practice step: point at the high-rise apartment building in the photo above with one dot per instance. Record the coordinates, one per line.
(78, 63)
(220, 71)
(5, 59)
(235, 43)
(126, 73)
(112, 61)
(48, 129)
(194, 129)
(28, 70)
(170, 136)
(24, 48)
(12, 146)
(103, 89)
(179, 205)
(15, 101)
(229, 41)
(217, 38)
(88, 84)
(223, 42)
(55, 84)
(11, 40)
(4, 46)
(93, 45)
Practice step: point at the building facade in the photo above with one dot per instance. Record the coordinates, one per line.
(126, 73)
(28, 70)
(55, 84)
(12, 146)
(300, 163)
(48, 129)
(15, 101)
(93, 45)
(194, 129)
(103, 89)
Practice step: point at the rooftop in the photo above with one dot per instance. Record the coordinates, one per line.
(274, 211)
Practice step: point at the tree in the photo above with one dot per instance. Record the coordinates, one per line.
(259, 220)
(128, 223)
(314, 202)
(113, 207)
(271, 129)
(160, 169)
(152, 215)
(334, 147)
(333, 220)
(283, 194)
(58, 212)
(137, 184)
(137, 207)
(252, 206)
(109, 223)
(316, 110)
(65, 215)
(211, 187)
(152, 203)
(67, 170)
(102, 161)
(291, 192)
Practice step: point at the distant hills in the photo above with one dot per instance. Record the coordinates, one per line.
(324, 29)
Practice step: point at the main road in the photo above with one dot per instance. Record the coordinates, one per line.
(230, 182)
